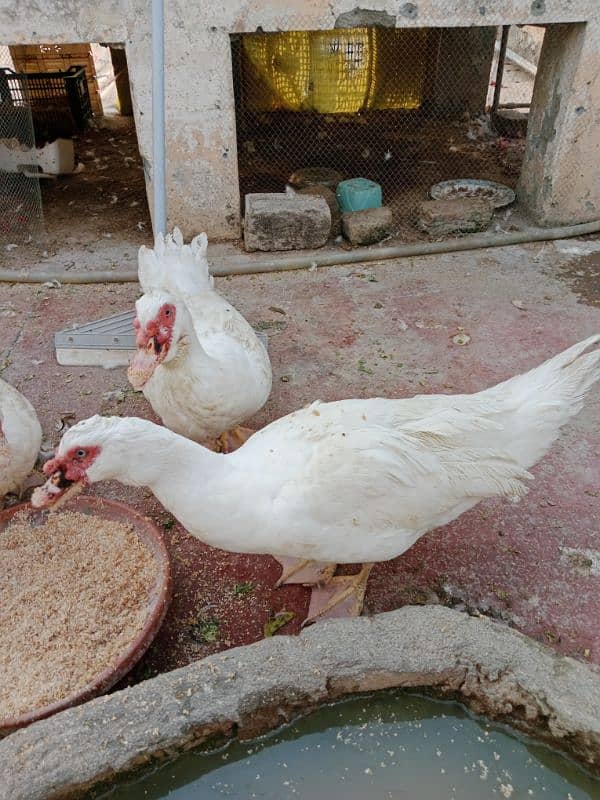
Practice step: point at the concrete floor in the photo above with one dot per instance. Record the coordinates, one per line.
(379, 329)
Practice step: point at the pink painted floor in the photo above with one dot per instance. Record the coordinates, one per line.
(386, 330)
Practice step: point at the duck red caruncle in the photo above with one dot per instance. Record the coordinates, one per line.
(67, 475)
(153, 342)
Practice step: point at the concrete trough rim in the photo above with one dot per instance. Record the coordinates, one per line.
(247, 691)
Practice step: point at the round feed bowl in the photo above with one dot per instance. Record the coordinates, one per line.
(497, 194)
(157, 604)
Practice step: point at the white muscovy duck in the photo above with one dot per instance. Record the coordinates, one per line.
(20, 439)
(342, 482)
(199, 363)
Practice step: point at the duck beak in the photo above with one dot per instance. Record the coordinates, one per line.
(143, 365)
(57, 488)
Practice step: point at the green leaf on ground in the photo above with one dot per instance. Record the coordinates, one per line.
(243, 589)
(205, 630)
(278, 621)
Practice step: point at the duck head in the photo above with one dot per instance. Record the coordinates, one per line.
(162, 323)
(96, 449)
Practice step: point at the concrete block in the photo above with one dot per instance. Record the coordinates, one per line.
(460, 215)
(368, 226)
(526, 42)
(317, 190)
(285, 222)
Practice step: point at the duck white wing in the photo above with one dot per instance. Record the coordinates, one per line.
(220, 328)
(352, 481)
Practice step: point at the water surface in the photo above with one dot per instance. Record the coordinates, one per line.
(389, 746)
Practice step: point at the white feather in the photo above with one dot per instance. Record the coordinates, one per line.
(174, 267)
(353, 480)
(20, 438)
(218, 374)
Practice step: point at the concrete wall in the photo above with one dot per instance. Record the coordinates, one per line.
(560, 180)
(202, 179)
(526, 42)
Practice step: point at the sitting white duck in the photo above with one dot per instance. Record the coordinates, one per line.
(199, 363)
(20, 439)
(343, 482)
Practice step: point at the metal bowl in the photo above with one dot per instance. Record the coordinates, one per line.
(497, 194)
(158, 601)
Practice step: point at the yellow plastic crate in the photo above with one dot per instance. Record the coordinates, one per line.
(334, 72)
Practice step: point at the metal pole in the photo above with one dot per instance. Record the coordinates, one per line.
(159, 200)
(500, 68)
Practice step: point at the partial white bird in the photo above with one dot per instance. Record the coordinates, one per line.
(342, 482)
(199, 363)
(20, 439)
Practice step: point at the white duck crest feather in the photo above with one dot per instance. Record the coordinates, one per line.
(174, 267)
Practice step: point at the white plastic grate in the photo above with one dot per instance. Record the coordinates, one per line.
(107, 342)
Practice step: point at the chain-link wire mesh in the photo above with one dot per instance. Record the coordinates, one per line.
(21, 219)
(407, 108)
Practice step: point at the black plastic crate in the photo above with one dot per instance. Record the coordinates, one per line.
(59, 101)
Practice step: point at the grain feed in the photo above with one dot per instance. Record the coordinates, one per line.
(74, 595)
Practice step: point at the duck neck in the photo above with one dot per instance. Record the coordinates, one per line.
(168, 464)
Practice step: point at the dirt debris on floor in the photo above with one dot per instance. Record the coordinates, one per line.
(100, 209)
(385, 329)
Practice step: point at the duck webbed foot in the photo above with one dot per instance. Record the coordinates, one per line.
(230, 440)
(342, 596)
(304, 571)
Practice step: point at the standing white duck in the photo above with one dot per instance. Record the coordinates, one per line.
(343, 482)
(20, 439)
(199, 363)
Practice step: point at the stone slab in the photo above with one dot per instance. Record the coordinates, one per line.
(459, 215)
(282, 221)
(250, 690)
(368, 226)
(318, 190)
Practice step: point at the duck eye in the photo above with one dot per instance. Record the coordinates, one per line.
(80, 453)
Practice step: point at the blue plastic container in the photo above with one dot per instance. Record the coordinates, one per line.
(357, 194)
